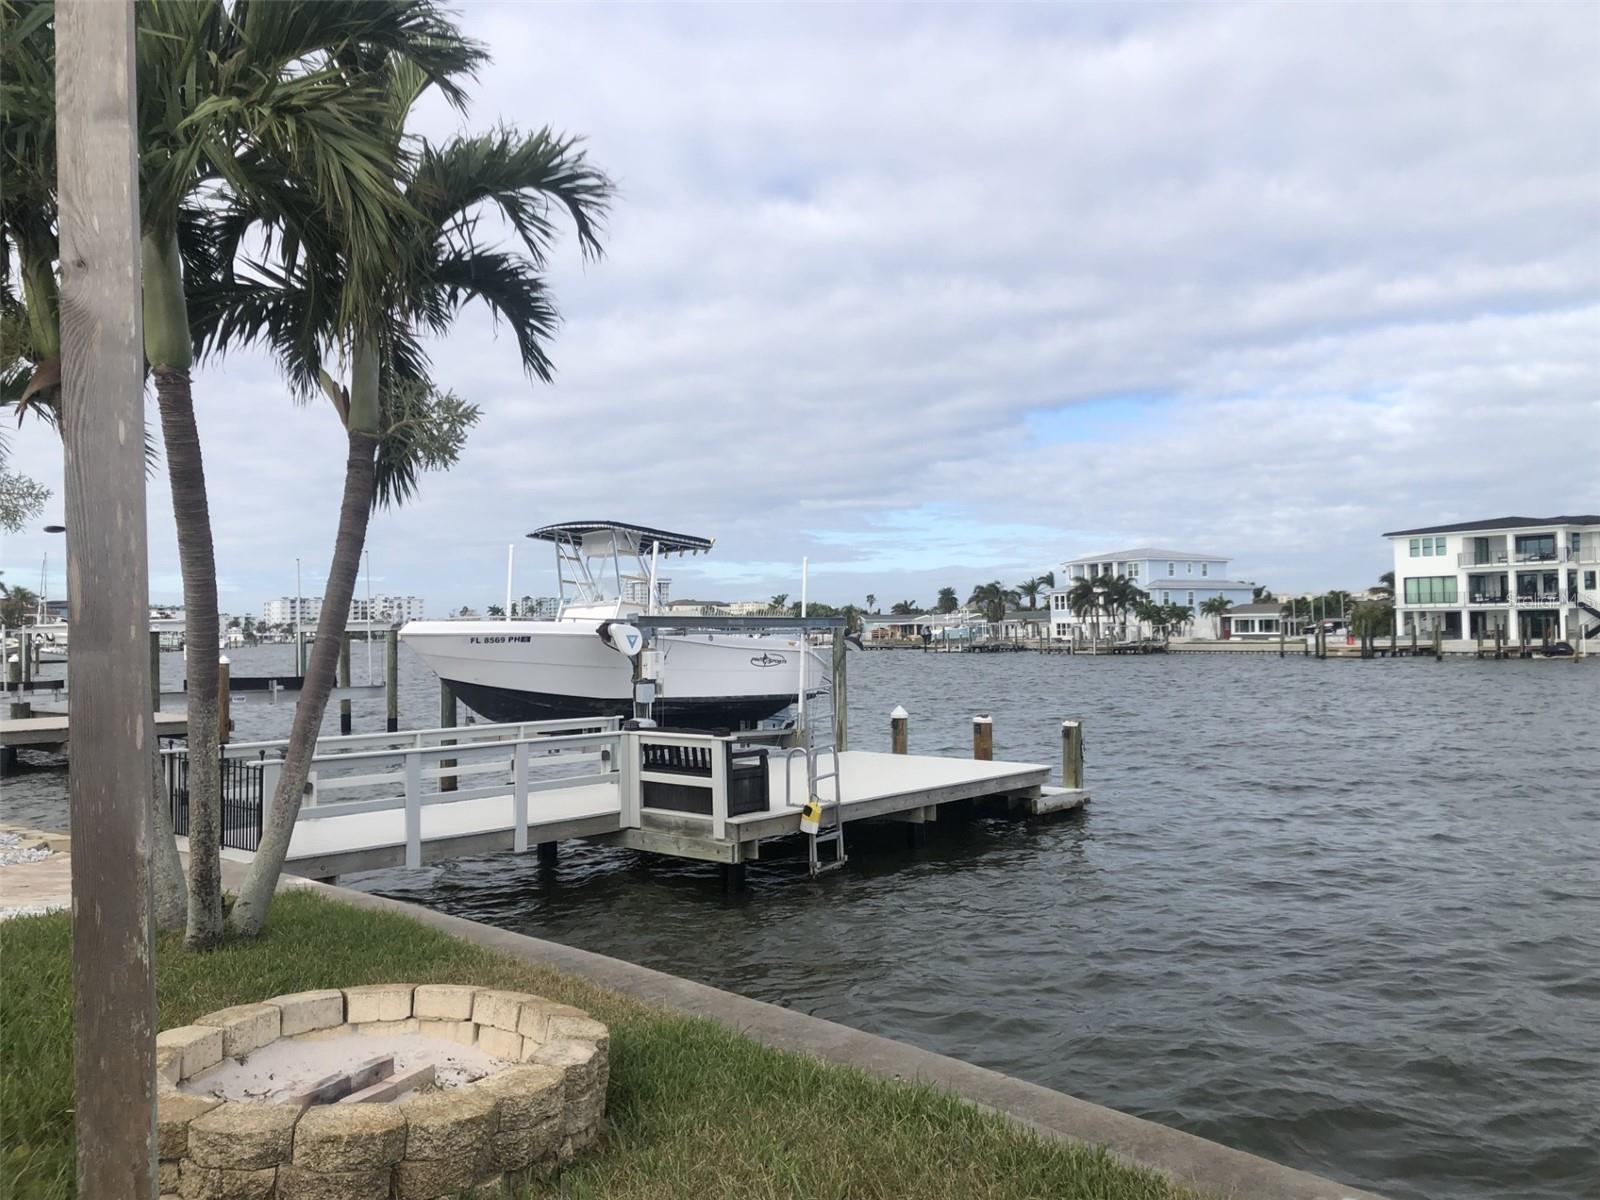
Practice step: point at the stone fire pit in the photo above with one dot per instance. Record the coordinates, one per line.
(513, 1082)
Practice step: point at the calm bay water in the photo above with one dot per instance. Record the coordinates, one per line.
(1344, 914)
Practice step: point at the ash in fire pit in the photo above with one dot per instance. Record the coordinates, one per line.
(289, 1069)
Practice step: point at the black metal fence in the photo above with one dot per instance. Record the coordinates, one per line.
(241, 799)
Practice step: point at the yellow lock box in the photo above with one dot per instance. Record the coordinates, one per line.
(811, 816)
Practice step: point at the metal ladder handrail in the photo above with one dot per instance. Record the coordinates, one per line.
(814, 748)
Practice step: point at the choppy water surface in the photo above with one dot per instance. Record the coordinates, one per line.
(1345, 915)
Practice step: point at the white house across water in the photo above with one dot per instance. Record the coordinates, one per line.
(1529, 577)
(1169, 576)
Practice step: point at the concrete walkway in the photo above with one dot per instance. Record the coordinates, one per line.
(40, 886)
(1181, 1156)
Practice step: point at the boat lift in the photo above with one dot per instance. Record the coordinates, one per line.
(819, 730)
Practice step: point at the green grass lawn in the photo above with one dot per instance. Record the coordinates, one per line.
(694, 1110)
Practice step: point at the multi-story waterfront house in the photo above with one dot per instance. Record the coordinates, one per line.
(1168, 576)
(1532, 578)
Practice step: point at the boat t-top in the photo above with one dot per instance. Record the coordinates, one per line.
(581, 663)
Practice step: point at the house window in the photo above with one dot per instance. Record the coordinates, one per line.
(1172, 569)
(1438, 546)
(1191, 600)
(1133, 570)
(1205, 568)
(1416, 547)
(1588, 581)
(1431, 589)
(1188, 568)
(1166, 597)
(1537, 547)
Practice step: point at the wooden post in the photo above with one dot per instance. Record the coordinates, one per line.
(224, 699)
(1394, 633)
(899, 719)
(841, 692)
(1281, 635)
(155, 671)
(13, 662)
(25, 648)
(1072, 754)
(102, 394)
(344, 682)
(983, 738)
(1499, 640)
(391, 682)
(1480, 641)
(1438, 642)
(447, 719)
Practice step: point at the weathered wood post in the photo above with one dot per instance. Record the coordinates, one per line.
(983, 737)
(1394, 633)
(1072, 754)
(155, 671)
(841, 691)
(1438, 642)
(1413, 635)
(344, 682)
(25, 647)
(447, 720)
(1480, 641)
(1499, 640)
(102, 395)
(13, 663)
(899, 719)
(1282, 648)
(391, 682)
(224, 698)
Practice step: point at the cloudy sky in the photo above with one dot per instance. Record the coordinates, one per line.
(941, 294)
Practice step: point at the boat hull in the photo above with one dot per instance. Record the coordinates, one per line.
(540, 670)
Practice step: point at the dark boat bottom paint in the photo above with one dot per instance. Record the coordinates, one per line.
(503, 704)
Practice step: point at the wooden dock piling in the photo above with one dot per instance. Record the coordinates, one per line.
(1072, 754)
(899, 719)
(224, 699)
(983, 738)
(1282, 635)
(447, 720)
(344, 682)
(25, 647)
(841, 694)
(391, 682)
(1438, 643)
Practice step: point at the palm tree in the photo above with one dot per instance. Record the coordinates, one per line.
(948, 601)
(233, 101)
(992, 599)
(1030, 589)
(1386, 585)
(1084, 601)
(872, 603)
(1216, 607)
(779, 603)
(904, 608)
(396, 422)
(1048, 580)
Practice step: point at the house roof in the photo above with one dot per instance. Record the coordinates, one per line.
(1262, 609)
(1142, 553)
(1028, 614)
(1499, 523)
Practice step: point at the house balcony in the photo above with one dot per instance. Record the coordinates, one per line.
(1500, 558)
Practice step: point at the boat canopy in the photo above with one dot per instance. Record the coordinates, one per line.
(601, 537)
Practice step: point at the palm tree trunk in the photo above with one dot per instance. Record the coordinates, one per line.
(197, 561)
(360, 484)
(170, 898)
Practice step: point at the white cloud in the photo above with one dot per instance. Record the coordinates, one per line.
(882, 283)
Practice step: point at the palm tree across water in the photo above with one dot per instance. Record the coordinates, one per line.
(872, 603)
(1216, 607)
(948, 600)
(1029, 590)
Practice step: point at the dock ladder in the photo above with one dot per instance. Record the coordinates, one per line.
(821, 748)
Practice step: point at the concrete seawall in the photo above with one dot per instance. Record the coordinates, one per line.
(1180, 1156)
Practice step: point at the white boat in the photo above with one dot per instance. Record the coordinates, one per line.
(581, 663)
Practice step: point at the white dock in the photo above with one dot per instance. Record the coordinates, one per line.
(49, 729)
(546, 800)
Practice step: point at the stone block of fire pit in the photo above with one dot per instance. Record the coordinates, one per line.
(464, 1135)
(377, 1002)
(301, 1012)
(443, 1002)
(199, 1045)
(243, 1136)
(245, 1027)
